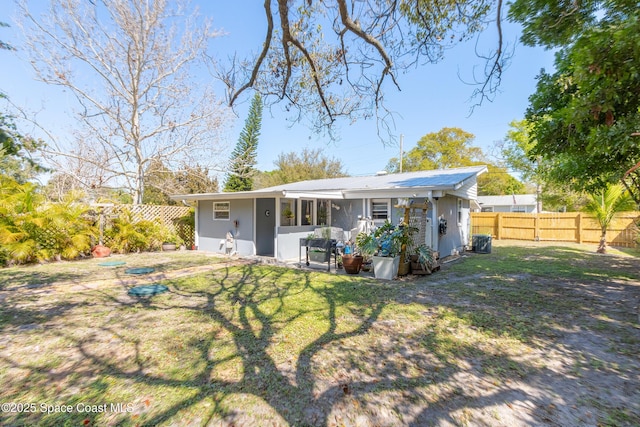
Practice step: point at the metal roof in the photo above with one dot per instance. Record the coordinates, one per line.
(510, 200)
(391, 185)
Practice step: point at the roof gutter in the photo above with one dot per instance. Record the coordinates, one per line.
(394, 192)
(313, 194)
(227, 196)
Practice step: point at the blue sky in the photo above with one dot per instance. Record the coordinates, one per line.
(432, 96)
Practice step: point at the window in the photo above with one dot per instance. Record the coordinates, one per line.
(519, 209)
(324, 212)
(221, 210)
(459, 211)
(379, 210)
(306, 207)
(288, 212)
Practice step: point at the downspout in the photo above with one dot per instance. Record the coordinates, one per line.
(254, 230)
(196, 232)
(275, 232)
(434, 221)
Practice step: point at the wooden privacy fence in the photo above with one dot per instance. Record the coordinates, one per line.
(575, 227)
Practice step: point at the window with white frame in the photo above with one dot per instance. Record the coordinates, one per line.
(288, 211)
(221, 210)
(379, 210)
(306, 212)
(324, 212)
(459, 211)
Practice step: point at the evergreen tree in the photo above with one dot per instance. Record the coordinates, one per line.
(243, 160)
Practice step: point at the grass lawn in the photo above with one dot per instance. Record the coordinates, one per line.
(530, 334)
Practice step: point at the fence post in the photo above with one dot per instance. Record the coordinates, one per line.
(579, 237)
(536, 227)
(498, 225)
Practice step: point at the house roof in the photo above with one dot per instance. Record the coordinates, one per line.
(510, 200)
(408, 184)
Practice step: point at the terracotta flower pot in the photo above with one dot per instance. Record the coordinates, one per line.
(352, 263)
(100, 251)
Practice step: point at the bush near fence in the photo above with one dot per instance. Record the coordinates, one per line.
(574, 227)
(54, 231)
(169, 216)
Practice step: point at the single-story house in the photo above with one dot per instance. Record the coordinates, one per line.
(270, 221)
(525, 203)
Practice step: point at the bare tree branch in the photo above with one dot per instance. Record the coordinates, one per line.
(128, 64)
(322, 75)
(263, 54)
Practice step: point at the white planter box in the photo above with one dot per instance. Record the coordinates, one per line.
(385, 267)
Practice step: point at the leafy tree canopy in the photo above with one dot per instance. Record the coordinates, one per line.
(498, 182)
(584, 114)
(17, 152)
(554, 23)
(161, 183)
(294, 167)
(452, 148)
(447, 148)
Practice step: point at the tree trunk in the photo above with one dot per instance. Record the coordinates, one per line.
(602, 247)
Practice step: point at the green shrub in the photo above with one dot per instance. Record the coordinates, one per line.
(31, 230)
(127, 234)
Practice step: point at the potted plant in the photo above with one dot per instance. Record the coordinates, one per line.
(406, 243)
(171, 242)
(288, 214)
(383, 245)
(352, 262)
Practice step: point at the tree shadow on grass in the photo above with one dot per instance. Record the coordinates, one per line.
(256, 345)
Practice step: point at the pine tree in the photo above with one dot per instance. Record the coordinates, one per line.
(243, 158)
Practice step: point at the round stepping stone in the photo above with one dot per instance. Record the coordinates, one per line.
(147, 290)
(111, 263)
(143, 270)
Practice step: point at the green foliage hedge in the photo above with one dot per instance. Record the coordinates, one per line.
(34, 230)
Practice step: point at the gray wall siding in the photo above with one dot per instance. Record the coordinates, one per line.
(528, 208)
(211, 232)
(457, 236)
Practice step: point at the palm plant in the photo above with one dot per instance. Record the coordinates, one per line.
(604, 205)
(129, 234)
(70, 231)
(32, 230)
(19, 221)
